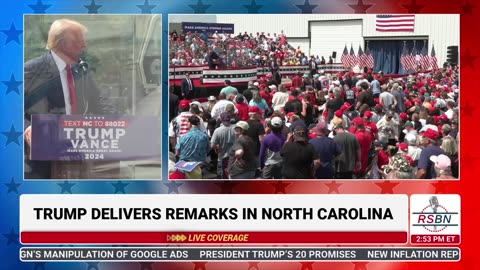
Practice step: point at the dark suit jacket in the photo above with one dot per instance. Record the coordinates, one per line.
(44, 95)
(185, 86)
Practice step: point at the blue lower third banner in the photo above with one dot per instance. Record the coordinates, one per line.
(79, 137)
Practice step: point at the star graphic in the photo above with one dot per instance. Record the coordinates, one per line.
(226, 187)
(200, 266)
(307, 265)
(253, 265)
(306, 7)
(92, 8)
(413, 7)
(12, 237)
(360, 265)
(173, 186)
(120, 187)
(12, 186)
(12, 34)
(467, 109)
(360, 8)
(39, 7)
(66, 187)
(39, 265)
(12, 85)
(440, 187)
(387, 187)
(199, 7)
(146, 8)
(468, 59)
(467, 8)
(253, 7)
(12, 136)
(333, 187)
(280, 187)
(146, 266)
(92, 265)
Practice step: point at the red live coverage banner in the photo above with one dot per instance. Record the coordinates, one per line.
(214, 237)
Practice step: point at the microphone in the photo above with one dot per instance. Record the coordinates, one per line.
(434, 203)
(83, 65)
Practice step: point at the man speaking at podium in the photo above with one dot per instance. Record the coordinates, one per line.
(58, 83)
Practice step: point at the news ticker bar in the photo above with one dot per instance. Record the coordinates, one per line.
(36, 254)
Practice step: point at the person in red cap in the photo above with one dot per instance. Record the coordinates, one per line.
(180, 125)
(426, 169)
(380, 160)
(334, 104)
(365, 141)
(256, 131)
(369, 125)
(337, 119)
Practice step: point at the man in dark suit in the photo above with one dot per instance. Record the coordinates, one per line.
(56, 84)
(213, 60)
(312, 66)
(188, 88)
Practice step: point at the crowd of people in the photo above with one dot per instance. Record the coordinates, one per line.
(242, 50)
(323, 126)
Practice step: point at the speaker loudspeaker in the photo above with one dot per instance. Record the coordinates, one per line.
(334, 54)
(452, 55)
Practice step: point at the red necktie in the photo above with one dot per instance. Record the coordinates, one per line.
(71, 90)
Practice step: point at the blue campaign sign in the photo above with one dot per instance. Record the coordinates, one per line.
(187, 165)
(79, 137)
(208, 27)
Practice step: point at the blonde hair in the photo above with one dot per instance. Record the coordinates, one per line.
(59, 28)
(449, 145)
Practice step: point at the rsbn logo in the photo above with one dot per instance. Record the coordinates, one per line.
(434, 217)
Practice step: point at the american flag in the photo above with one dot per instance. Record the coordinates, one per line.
(410, 59)
(344, 58)
(403, 58)
(416, 59)
(369, 60)
(424, 58)
(395, 23)
(352, 59)
(433, 59)
(361, 58)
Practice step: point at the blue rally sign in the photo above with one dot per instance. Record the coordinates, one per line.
(79, 137)
(208, 27)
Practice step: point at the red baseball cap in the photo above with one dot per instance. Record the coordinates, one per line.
(254, 109)
(338, 113)
(408, 104)
(184, 103)
(403, 115)
(368, 114)
(402, 146)
(357, 121)
(430, 133)
(343, 108)
(443, 117)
